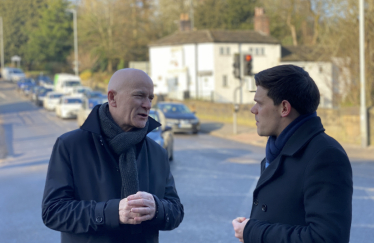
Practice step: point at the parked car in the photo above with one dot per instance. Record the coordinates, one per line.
(40, 95)
(93, 94)
(12, 74)
(87, 105)
(162, 135)
(51, 100)
(179, 117)
(79, 91)
(27, 89)
(23, 83)
(68, 107)
(34, 92)
(45, 81)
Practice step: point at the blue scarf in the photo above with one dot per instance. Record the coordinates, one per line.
(275, 144)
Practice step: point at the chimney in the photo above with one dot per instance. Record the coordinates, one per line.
(261, 21)
(184, 23)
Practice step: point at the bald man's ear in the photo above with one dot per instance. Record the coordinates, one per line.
(286, 108)
(111, 98)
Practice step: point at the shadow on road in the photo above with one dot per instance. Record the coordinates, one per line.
(7, 89)
(17, 107)
(19, 165)
(208, 127)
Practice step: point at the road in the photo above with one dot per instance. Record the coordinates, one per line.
(215, 178)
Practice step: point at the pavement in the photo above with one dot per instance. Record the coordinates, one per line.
(248, 135)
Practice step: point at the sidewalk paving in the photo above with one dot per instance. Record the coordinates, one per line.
(248, 135)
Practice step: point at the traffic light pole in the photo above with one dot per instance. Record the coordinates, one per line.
(2, 43)
(236, 106)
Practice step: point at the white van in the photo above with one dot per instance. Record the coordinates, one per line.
(65, 83)
(12, 74)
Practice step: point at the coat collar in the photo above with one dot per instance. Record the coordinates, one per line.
(92, 123)
(296, 142)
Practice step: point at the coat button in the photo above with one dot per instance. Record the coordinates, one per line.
(264, 207)
(99, 219)
(255, 202)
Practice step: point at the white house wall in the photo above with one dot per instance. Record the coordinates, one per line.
(264, 56)
(322, 74)
(159, 58)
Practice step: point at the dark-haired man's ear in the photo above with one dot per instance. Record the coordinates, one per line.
(286, 108)
(111, 99)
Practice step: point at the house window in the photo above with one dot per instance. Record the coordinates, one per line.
(262, 51)
(221, 51)
(320, 69)
(224, 81)
(257, 52)
(227, 50)
(251, 50)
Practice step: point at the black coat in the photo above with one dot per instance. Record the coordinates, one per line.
(305, 194)
(83, 187)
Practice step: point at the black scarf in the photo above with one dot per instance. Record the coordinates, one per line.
(123, 144)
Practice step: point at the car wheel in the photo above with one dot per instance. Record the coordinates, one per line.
(171, 157)
(195, 131)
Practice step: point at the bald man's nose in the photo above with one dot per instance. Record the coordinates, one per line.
(147, 104)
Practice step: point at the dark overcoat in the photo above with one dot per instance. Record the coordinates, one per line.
(305, 194)
(83, 187)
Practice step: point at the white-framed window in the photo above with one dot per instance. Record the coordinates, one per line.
(221, 51)
(227, 50)
(258, 51)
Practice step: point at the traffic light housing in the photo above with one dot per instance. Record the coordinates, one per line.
(247, 65)
(236, 65)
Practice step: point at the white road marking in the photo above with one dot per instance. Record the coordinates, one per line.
(2, 95)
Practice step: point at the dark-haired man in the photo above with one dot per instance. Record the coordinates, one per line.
(304, 193)
(107, 182)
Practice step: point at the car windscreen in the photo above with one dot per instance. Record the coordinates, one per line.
(72, 83)
(174, 108)
(55, 96)
(19, 71)
(94, 94)
(43, 92)
(72, 101)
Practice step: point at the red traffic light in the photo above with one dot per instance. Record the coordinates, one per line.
(248, 58)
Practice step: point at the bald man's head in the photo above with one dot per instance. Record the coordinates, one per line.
(130, 92)
(125, 77)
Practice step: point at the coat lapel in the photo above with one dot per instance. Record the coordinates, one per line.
(298, 140)
(269, 171)
(143, 168)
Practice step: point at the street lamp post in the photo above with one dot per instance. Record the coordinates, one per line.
(75, 40)
(363, 111)
(2, 43)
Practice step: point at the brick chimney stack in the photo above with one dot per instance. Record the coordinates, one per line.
(184, 22)
(261, 21)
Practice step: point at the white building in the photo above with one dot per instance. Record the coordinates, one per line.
(330, 78)
(199, 64)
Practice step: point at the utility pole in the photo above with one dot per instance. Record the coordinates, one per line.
(363, 110)
(191, 15)
(239, 88)
(76, 70)
(2, 43)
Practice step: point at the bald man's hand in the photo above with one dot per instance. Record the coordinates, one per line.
(126, 216)
(144, 205)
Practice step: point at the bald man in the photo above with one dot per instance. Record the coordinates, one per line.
(107, 181)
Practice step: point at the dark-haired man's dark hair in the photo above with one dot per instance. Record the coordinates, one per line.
(291, 83)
